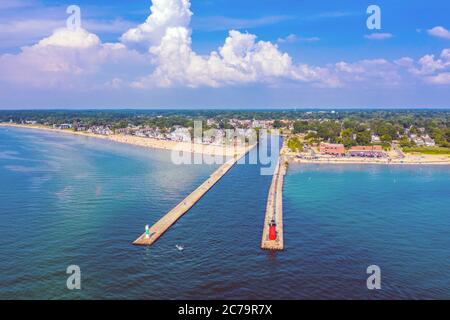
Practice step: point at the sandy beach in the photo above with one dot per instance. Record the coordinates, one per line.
(213, 150)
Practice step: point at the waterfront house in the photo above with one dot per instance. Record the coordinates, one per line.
(428, 141)
(103, 130)
(122, 131)
(65, 126)
(421, 141)
(180, 134)
(376, 138)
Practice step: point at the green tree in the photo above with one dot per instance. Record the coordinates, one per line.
(301, 126)
(386, 138)
(363, 137)
(295, 145)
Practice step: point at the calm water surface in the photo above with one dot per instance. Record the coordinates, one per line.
(74, 200)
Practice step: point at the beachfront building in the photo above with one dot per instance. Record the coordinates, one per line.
(421, 141)
(366, 151)
(123, 131)
(334, 149)
(62, 126)
(216, 137)
(428, 141)
(103, 130)
(180, 134)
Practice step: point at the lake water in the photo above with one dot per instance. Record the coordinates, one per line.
(68, 200)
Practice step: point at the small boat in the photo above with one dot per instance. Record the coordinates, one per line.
(180, 248)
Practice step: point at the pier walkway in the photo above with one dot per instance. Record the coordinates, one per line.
(160, 227)
(274, 209)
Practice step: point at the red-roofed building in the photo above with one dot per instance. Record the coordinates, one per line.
(333, 149)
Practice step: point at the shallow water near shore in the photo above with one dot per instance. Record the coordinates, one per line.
(73, 200)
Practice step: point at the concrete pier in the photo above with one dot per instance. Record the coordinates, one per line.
(160, 227)
(274, 209)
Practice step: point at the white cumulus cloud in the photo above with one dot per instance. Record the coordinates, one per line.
(429, 68)
(165, 14)
(439, 32)
(64, 59)
(64, 37)
(241, 59)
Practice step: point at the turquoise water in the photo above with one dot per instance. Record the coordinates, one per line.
(73, 200)
(341, 219)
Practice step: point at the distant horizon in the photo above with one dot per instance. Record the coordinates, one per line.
(234, 109)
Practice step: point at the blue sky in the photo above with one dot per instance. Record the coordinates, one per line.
(313, 54)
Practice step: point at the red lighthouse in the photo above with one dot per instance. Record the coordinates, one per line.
(272, 230)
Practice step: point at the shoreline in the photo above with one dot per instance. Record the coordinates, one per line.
(379, 162)
(392, 157)
(224, 151)
(195, 148)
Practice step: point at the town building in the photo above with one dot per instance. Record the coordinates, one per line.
(376, 139)
(366, 151)
(64, 126)
(334, 149)
(180, 134)
(421, 141)
(428, 141)
(123, 131)
(103, 130)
